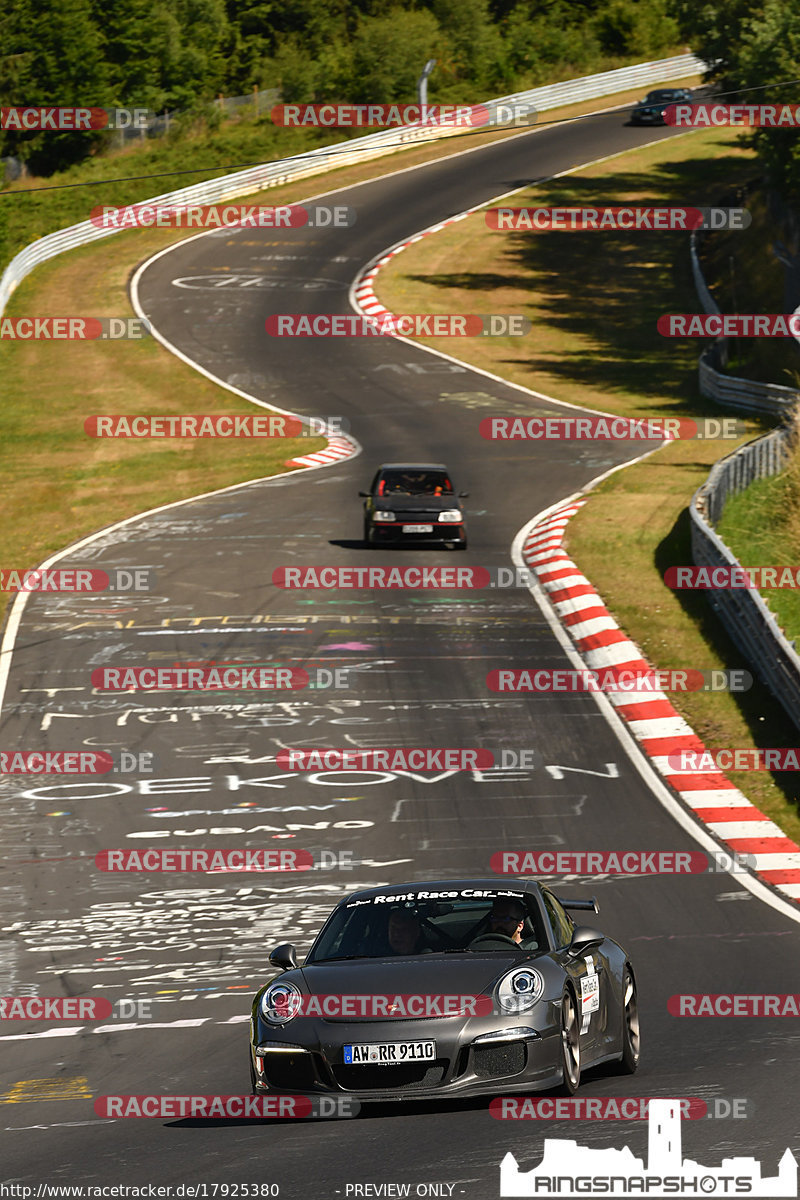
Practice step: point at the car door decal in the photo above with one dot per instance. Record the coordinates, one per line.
(590, 992)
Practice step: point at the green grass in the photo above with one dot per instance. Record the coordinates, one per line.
(762, 527)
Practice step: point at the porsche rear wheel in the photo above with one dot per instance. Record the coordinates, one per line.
(630, 1024)
(570, 1045)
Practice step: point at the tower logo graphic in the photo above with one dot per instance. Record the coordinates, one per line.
(568, 1169)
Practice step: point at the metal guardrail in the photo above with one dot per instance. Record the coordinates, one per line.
(746, 394)
(743, 612)
(387, 141)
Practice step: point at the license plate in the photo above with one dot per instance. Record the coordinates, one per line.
(389, 1053)
(417, 529)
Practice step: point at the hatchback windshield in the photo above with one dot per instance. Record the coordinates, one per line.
(415, 483)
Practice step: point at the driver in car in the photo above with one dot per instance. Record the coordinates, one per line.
(507, 917)
(404, 932)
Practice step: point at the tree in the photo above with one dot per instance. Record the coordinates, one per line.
(52, 55)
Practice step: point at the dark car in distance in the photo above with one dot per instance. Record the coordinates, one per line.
(445, 989)
(650, 111)
(414, 503)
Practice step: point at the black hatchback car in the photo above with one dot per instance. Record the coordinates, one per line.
(412, 503)
(650, 111)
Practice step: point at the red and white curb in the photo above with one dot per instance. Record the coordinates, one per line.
(336, 449)
(364, 287)
(650, 716)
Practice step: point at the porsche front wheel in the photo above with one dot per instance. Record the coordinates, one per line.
(570, 1045)
(630, 1024)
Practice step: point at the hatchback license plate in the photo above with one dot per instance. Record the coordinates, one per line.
(389, 1053)
(417, 529)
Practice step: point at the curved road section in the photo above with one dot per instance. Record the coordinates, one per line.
(179, 955)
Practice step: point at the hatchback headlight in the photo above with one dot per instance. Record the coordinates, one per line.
(383, 514)
(280, 1003)
(520, 990)
(450, 515)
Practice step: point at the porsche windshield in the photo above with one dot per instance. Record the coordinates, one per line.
(377, 927)
(415, 483)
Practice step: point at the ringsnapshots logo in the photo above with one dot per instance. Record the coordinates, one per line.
(568, 1169)
(222, 425)
(735, 578)
(618, 862)
(73, 329)
(644, 218)
(609, 429)
(63, 119)
(398, 325)
(618, 679)
(76, 579)
(223, 216)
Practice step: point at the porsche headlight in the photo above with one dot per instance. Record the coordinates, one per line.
(280, 1003)
(383, 514)
(520, 990)
(450, 515)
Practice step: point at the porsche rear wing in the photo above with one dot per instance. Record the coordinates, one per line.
(588, 905)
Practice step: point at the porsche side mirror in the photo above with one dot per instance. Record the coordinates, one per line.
(366, 495)
(463, 495)
(583, 938)
(284, 956)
